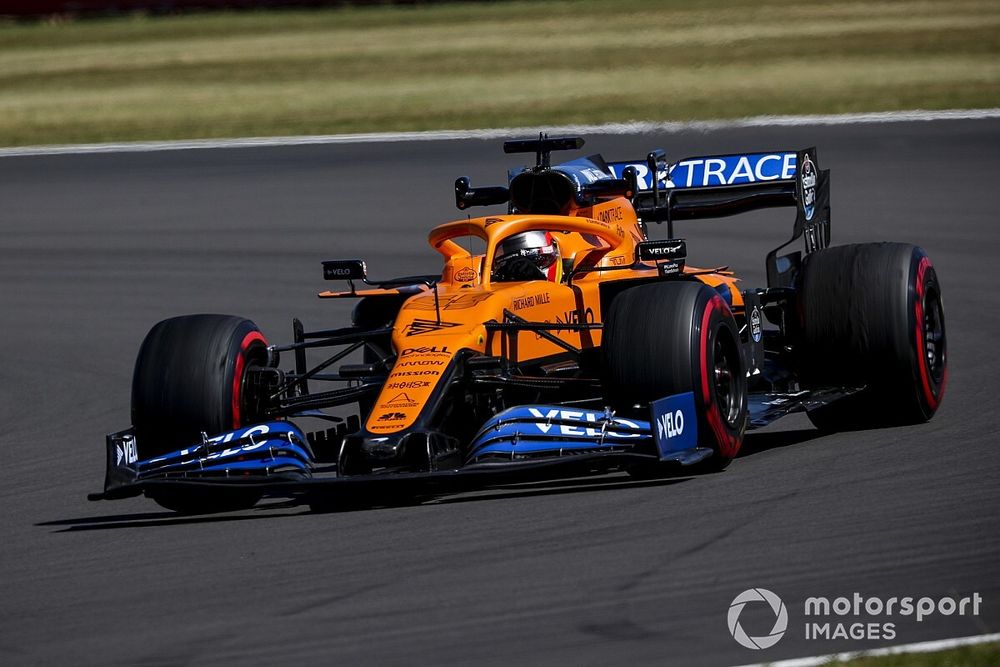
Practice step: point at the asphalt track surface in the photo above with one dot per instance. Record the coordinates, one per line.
(95, 249)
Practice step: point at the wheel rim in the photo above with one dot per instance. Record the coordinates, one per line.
(727, 390)
(934, 338)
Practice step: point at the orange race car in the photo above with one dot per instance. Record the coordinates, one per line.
(558, 339)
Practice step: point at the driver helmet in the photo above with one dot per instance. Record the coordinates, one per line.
(526, 256)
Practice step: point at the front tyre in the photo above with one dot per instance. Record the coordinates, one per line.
(189, 379)
(676, 337)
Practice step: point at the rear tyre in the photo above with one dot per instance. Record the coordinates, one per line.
(188, 379)
(872, 315)
(671, 338)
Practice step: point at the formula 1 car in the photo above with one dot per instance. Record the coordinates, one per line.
(572, 343)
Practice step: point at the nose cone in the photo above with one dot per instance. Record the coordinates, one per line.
(415, 451)
(412, 386)
(426, 347)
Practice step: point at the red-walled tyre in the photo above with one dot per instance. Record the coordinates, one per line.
(189, 379)
(676, 337)
(872, 315)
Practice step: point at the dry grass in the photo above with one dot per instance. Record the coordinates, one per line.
(979, 655)
(483, 65)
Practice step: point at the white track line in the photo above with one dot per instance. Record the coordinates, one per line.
(637, 127)
(921, 647)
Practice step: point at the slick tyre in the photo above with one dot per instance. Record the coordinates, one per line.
(189, 379)
(671, 338)
(872, 315)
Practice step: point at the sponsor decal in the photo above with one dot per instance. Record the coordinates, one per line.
(260, 429)
(576, 317)
(616, 260)
(674, 250)
(613, 214)
(808, 188)
(571, 317)
(408, 384)
(399, 401)
(547, 426)
(733, 170)
(669, 268)
(522, 302)
(344, 269)
(248, 433)
(670, 424)
(491, 221)
(450, 303)
(662, 249)
(419, 326)
(643, 181)
(126, 451)
(392, 417)
(466, 275)
(669, 250)
(588, 174)
(676, 423)
(755, 324)
(421, 362)
(430, 350)
(397, 374)
(722, 170)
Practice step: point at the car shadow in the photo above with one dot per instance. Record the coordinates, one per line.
(166, 518)
(756, 442)
(559, 487)
(287, 508)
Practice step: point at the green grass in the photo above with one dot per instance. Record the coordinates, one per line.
(980, 655)
(487, 65)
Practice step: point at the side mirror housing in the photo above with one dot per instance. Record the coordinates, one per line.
(344, 269)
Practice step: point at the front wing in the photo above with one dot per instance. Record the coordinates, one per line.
(519, 444)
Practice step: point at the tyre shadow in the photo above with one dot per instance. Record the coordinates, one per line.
(755, 442)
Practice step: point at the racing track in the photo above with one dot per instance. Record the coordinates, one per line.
(97, 248)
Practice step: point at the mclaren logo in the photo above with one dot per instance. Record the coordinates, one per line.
(418, 326)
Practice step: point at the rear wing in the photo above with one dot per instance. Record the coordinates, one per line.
(716, 186)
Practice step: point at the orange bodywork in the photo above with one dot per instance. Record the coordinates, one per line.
(603, 236)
